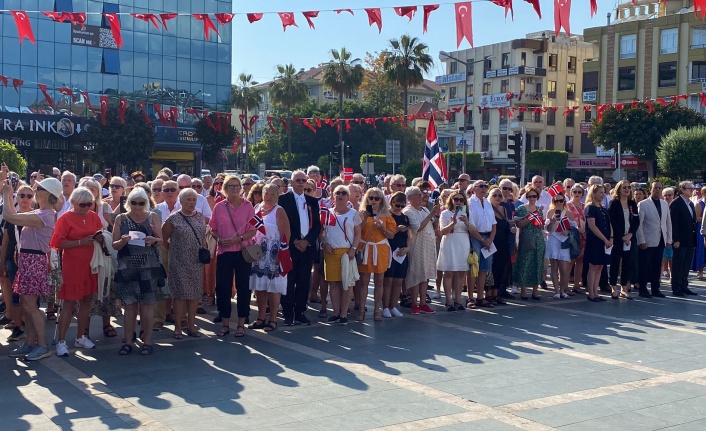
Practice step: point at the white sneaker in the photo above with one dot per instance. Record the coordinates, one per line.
(62, 349)
(513, 289)
(395, 312)
(84, 343)
(564, 296)
(386, 313)
(557, 296)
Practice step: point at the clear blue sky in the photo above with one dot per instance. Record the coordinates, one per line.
(259, 47)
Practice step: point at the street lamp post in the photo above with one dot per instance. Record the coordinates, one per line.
(467, 65)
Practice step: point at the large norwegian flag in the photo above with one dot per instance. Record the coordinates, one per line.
(434, 166)
(285, 259)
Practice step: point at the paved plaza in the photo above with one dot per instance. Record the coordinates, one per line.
(568, 364)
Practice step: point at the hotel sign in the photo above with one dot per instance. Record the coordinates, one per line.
(494, 101)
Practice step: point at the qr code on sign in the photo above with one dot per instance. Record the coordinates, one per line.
(106, 39)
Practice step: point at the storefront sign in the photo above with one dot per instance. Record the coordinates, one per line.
(449, 79)
(598, 163)
(186, 136)
(585, 126)
(629, 162)
(33, 126)
(94, 36)
(494, 101)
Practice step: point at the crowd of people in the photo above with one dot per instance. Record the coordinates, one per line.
(164, 249)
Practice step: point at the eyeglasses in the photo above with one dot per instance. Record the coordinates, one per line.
(399, 206)
(116, 186)
(398, 185)
(233, 186)
(138, 203)
(33, 176)
(184, 187)
(156, 190)
(374, 198)
(496, 196)
(197, 186)
(532, 197)
(25, 195)
(507, 189)
(626, 187)
(358, 182)
(84, 204)
(169, 190)
(482, 186)
(300, 180)
(314, 173)
(308, 190)
(577, 192)
(559, 201)
(345, 193)
(458, 199)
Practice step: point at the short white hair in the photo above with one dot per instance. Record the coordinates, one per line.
(595, 180)
(187, 192)
(312, 168)
(68, 174)
(398, 177)
(81, 195)
(137, 193)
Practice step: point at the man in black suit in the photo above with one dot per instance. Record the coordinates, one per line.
(684, 238)
(305, 225)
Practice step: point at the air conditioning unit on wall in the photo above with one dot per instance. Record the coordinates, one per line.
(486, 154)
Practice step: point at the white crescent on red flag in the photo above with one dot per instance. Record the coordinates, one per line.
(287, 20)
(104, 109)
(122, 108)
(464, 23)
(374, 17)
(562, 16)
(24, 26)
(114, 22)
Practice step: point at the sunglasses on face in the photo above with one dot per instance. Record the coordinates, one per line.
(560, 201)
(233, 186)
(497, 196)
(169, 190)
(344, 193)
(507, 189)
(197, 186)
(314, 172)
(25, 195)
(156, 190)
(116, 186)
(184, 187)
(398, 185)
(84, 204)
(300, 180)
(458, 199)
(532, 197)
(308, 190)
(482, 186)
(399, 206)
(138, 203)
(33, 176)
(358, 182)
(373, 198)
(577, 192)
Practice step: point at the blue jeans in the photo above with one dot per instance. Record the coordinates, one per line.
(484, 263)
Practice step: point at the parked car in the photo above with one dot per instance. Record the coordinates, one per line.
(254, 177)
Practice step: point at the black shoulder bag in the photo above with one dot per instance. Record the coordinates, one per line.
(204, 254)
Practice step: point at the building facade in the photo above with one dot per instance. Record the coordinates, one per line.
(541, 70)
(175, 67)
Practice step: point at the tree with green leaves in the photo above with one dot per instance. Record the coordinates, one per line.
(246, 96)
(213, 141)
(405, 66)
(12, 158)
(683, 152)
(288, 91)
(641, 129)
(547, 161)
(343, 77)
(381, 95)
(129, 144)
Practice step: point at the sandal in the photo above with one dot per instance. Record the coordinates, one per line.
(193, 334)
(51, 315)
(256, 325)
(377, 316)
(147, 349)
(158, 326)
(500, 301)
(223, 332)
(239, 331)
(484, 303)
(178, 335)
(109, 331)
(625, 296)
(271, 328)
(126, 349)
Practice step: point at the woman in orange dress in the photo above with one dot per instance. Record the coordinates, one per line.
(378, 226)
(74, 235)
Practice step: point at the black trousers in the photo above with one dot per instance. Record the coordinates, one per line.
(621, 263)
(228, 264)
(298, 282)
(502, 267)
(681, 264)
(650, 266)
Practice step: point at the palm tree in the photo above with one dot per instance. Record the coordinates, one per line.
(343, 78)
(288, 91)
(244, 97)
(406, 63)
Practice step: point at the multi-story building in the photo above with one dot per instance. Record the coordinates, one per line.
(651, 49)
(175, 67)
(541, 70)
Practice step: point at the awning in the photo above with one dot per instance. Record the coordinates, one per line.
(502, 161)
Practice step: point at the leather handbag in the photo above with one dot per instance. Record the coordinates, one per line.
(252, 253)
(204, 254)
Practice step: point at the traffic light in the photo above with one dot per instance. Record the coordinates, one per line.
(347, 151)
(334, 157)
(514, 149)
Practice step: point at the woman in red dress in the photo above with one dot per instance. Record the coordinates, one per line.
(74, 235)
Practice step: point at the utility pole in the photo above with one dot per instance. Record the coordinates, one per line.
(523, 165)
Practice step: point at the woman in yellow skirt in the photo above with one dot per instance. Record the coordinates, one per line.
(378, 228)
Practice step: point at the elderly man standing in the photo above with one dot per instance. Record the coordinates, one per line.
(68, 184)
(482, 218)
(303, 214)
(464, 180)
(683, 216)
(653, 235)
(207, 181)
(202, 206)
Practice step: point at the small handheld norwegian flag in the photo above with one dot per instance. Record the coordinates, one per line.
(327, 218)
(256, 221)
(563, 225)
(285, 259)
(556, 189)
(535, 219)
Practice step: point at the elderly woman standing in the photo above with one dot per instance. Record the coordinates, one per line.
(32, 279)
(74, 235)
(139, 272)
(265, 277)
(184, 233)
(454, 249)
(529, 267)
(118, 187)
(231, 227)
(99, 207)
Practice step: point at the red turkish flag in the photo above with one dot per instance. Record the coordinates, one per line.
(104, 109)
(428, 9)
(209, 123)
(308, 124)
(17, 83)
(284, 124)
(594, 7)
(87, 101)
(67, 92)
(122, 108)
(374, 17)
(254, 17)
(114, 22)
(224, 18)
(147, 17)
(464, 23)
(24, 26)
(50, 101)
(219, 125)
(226, 123)
(77, 18)
(160, 114)
(309, 15)
(174, 114)
(562, 15)
(166, 17)
(143, 108)
(272, 128)
(698, 5)
(253, 120)
(338, 11)
(287, 20)
(57, 16)
(535, 5)
(507, 4)
(407, 11)
(3, 79)
(207, 24)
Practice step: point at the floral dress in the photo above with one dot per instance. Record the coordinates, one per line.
(528, 270)
(265, 273)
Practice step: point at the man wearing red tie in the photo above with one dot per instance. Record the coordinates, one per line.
(303, 214)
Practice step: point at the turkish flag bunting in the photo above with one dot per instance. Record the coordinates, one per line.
(147, 17)
(589, 107)
(703, 98)
(295, 120)
(509, 112)
(166, 17)
(87, 101)
(57, 16)
(77, 18)
(114, 22)
(67, 92)
(619, 106)
(122, 108)
(318, 122)
(374, 17)
(226, 123)
(253, 119)
(464, 24)
(253, 17)
(24, 26)
(308, 124)
(50, 101)
(224, 18)
(3, 79)
(338, 11)
(207, 24)
(403, 121)
(662, 101)
(160, 114)
(699, 5)
(633, 105)
(194, 112)
(243, 122)
(649, 105)
(594, 7)
(219, 122)
(535, 5)
(284, 124)
(407, 11)
(562, 15)
(209, 123)
(17, 83)
(143, 108)
(507, 4)
(104, 109)
(428, 9)
(272, 128)
(287, 20)
(309, 15)
(174, 111)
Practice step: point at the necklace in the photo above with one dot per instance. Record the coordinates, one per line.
(266, 211)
